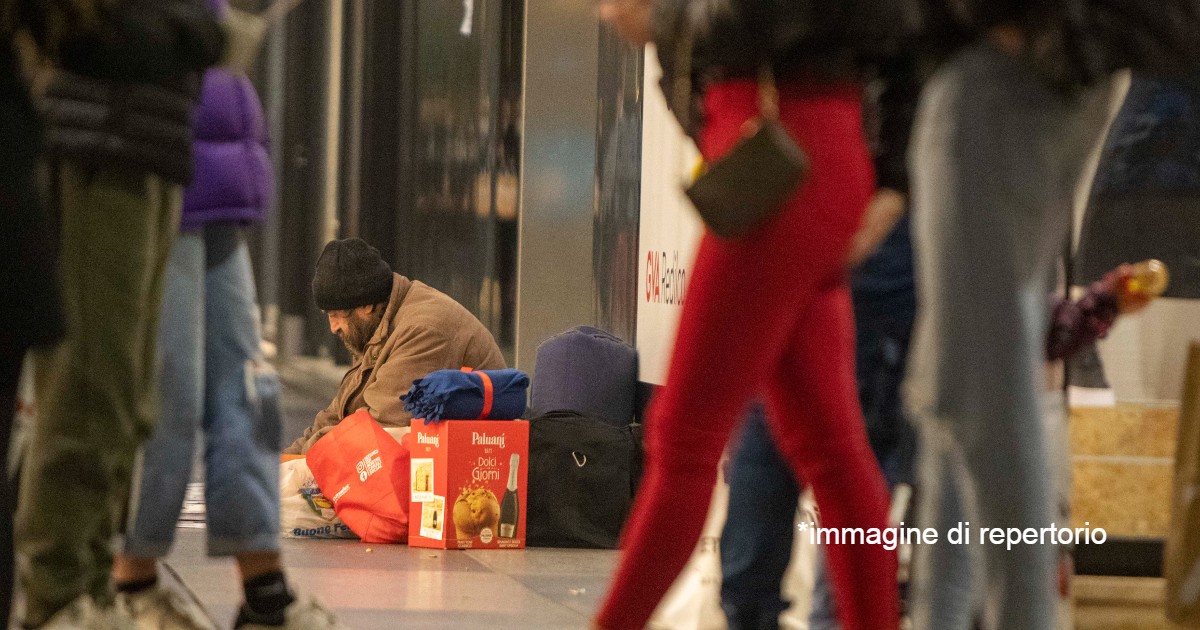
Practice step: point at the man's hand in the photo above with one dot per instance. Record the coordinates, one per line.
(884, 210)
(629, 18)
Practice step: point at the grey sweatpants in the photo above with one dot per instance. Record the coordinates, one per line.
(996, 157)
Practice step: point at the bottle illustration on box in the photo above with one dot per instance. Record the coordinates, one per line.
(509, 506)
(433, 518)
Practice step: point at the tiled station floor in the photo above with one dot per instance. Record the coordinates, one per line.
(395, 586)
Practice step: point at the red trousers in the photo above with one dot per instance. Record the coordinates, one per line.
(768, 315)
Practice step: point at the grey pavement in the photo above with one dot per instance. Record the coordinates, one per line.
(395, 586)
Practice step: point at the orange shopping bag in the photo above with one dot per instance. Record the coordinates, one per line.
(364, 472)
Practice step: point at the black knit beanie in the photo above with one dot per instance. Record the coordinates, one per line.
(351, 273)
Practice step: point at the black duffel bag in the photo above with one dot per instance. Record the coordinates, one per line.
(583, 474)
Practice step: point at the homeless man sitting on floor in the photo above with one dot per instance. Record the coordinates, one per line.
(397, 330)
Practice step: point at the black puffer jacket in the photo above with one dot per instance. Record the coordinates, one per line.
(133, 127)
(123, 93)
(141, 41)
(864, 40)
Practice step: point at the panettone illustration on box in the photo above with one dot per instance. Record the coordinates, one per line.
(476, 513)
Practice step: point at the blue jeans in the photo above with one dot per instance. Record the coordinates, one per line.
(213, 379)
(986, 261)
(756, 543)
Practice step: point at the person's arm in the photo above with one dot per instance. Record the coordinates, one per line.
(895, 92)
(885, 210)
(1075, 325)
(417, 352)
(325, 420)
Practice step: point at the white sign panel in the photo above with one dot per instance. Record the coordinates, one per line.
(669, 229)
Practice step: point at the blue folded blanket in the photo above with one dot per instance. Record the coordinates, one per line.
(458, 395)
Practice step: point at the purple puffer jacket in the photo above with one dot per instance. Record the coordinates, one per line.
(234, 180)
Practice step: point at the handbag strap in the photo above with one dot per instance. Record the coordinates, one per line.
(681, 97)
(488, 392)
(759, 18)
(768, 94)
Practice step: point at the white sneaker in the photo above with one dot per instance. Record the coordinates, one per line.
(306, 613)
(83, 614)
(161, 608)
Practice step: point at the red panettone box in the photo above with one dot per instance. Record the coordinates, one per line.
(468, 484)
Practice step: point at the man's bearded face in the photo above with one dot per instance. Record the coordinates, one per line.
(356, 330)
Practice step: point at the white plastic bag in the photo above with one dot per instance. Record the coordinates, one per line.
(798, 582)
(304, 512)
(694, 601)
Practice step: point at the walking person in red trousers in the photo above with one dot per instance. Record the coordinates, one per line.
(767, 314)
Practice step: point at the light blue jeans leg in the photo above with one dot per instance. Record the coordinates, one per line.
(241, 418)
(997, 156)
(947, 582)
(166, 459)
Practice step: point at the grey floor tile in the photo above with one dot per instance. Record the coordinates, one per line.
(402, 587)
(541, 561)
(352, 553)
(581, 593)
(424, 620)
